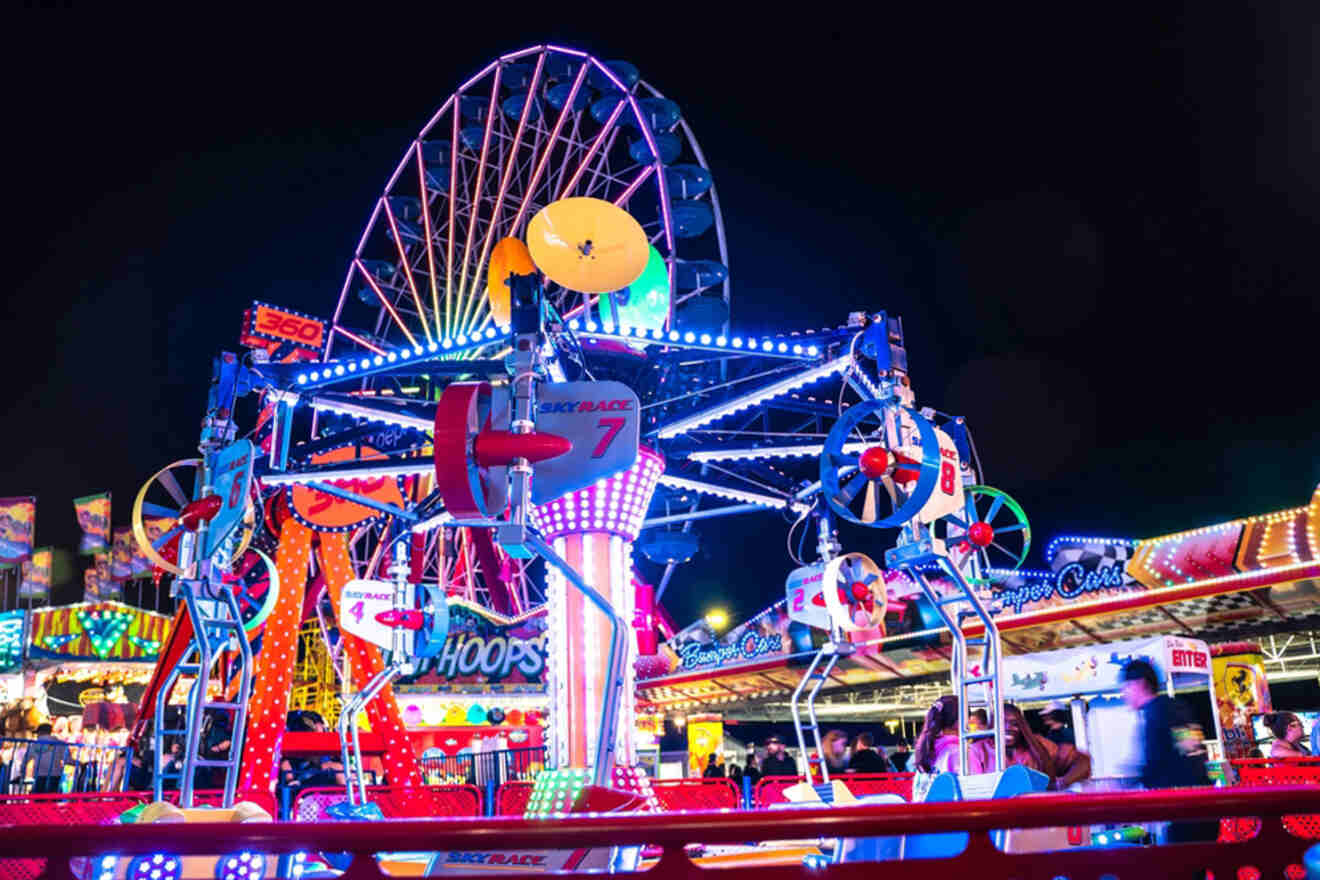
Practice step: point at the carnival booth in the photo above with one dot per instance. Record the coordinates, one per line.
(1091, 677)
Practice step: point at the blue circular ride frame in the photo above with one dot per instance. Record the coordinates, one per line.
(833, 458)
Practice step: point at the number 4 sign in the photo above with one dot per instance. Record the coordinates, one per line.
(603, 422)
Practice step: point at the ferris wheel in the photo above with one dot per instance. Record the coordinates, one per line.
(532, 127)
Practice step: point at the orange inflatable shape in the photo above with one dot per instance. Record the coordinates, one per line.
(330, 513)
(587, 245)
(509, 256)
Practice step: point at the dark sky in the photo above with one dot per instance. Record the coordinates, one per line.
(1101, 231)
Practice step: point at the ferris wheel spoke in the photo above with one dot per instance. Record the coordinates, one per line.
(407, 269)
(384, 300)
(171, 485)
(430, 243)
(550, 144)
(474, 194)
(632, 187)
(453, 195)
(591, 151)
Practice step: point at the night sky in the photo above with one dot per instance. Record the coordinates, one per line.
(1101, 233)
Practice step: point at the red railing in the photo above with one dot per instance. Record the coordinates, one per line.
(1272, 853)
(1263, 772)
(697, 794)
(511, 798)
(429, 801)
(770, 789)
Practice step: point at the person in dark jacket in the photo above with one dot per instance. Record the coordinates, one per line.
(714, 769)
(1172, 750)
(777, 762)
(865, 758)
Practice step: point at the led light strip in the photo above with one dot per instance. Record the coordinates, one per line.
(774, 389)
(361, 411)
(334, 371)
(392, 469)
(753, 454)
(725, 492)
(700, 341)
(1077, 539)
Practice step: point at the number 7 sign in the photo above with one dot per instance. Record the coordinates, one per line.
(603, 422)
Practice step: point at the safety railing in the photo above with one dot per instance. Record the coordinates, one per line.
(48, 766)
(483, 769)
(1264, 772)
(511, 798)
(440, 801)
(770, 789)
(697, 794)
(1273, 852)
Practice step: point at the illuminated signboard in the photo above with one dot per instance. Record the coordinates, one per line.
(264, 324)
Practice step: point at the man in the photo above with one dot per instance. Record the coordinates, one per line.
(48, 757)
(865, 759)
(1058, 726)
(1172, 749)
(900, 756)
(777, 762)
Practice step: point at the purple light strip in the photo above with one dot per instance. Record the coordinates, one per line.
(407, 269)
(475, 196)
(632, 187)
(508, 173)
(430, 250)
(595, 145)
(549, 147)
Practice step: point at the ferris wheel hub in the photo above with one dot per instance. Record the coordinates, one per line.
(981, 534)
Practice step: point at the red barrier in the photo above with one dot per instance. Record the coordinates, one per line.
(1262, 772)
(1273, 853)
(83, 808)
(396, 802)
(770, 789)
(697, 794)
(511, 798)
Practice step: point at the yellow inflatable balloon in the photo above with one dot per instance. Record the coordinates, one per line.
(588, 245)
(509, 255)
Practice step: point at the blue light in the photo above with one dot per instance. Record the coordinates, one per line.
(302, 378)
(673, 336)
(462, 339)
(446, 343)
(737, 342)
(783, 348)
(352, 367)
(417, 350)
(751, 345)
(405, 354)
(591, 326)
(689, 336)
(797, 349)
(813, 350)
(656, 333)
(392, 357)
(339, 371)
(432, 348)
(705, 339)
(490, 332)
(378, 360)
(505, 328)
(366, 362)
(573, 324)
(315, 376)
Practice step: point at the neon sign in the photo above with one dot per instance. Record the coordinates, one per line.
(749, 647)
(1070, 582)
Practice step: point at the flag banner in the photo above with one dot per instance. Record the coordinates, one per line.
(98, 586)
(121, 554)
(35, 584)
(94, 520)
(18, 523)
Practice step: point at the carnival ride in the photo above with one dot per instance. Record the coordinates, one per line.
(531, 351)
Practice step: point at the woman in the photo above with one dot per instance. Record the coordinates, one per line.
(1288, 732)
(835, 747)
(1063, 764)
(937, 746)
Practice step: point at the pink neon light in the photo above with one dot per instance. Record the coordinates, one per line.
(632, 187)
(475, 199)
(383, 301)
(549, 146)
(407, 270)
(358, 339)
(430, 250)
(595, 145)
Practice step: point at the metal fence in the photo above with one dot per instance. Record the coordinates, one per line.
(486, 770)
(51, 766)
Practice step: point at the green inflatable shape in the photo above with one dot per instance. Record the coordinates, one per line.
(644, 304)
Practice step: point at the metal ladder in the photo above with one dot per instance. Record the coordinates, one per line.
(217, 629)
(816, 677)
(954, 607)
